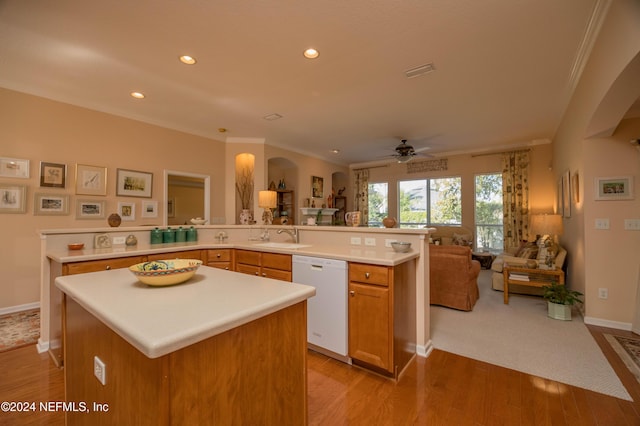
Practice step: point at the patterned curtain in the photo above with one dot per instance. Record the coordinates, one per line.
(515, 197)
(361, 191)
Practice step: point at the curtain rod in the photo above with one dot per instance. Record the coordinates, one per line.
(500, 152)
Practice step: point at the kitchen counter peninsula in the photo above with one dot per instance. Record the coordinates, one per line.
(221, 348)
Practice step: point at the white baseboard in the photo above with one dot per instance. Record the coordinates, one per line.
(19, 308)
(42, 346)
(607, 323)
(424, 350)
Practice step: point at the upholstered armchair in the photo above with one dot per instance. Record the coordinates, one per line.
(453, 277)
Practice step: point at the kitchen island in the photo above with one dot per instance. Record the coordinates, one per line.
(222, 348)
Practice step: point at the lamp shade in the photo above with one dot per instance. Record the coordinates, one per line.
(546, 224)
(267, 199)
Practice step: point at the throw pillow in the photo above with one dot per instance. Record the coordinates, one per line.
(461, 239)
(530, 251)
(446, 241)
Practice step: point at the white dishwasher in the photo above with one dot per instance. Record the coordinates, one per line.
(327, 321)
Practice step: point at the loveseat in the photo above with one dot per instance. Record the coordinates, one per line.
(453, 277)
(520, 256)
(452, 235)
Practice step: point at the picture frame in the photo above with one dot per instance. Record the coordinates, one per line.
(171, 207)
(317, 187)
(91, 180)
(14, 168)
(614, 188)
(90, 209)
(127, 211)
(45, 204)
(566, 194)
(575, 187)
(133, 183)
(559, 199)
(149, 208)
(13, 198)
(53, 175)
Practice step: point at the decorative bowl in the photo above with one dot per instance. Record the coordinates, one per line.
(400, 246)
(165, 272)
(75, 246)
(198, 221)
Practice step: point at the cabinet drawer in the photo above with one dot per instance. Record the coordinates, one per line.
(369, 274)
(189, 254)
(219, 255)
(248, 269)
(276, 261)
(248, 257)
(276, 274)
(220, 265)
(100, 265)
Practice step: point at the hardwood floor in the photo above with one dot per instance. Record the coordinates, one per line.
(444, 389)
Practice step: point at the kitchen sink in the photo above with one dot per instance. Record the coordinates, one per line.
(282, 245)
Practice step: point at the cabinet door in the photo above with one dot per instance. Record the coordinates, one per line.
(248, 269)
(189, 254)
(369, 325)
(248, 257)
(276, 274)
(100, 265)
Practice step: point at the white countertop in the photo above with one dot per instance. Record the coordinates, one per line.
(161, 320)
(374, 255)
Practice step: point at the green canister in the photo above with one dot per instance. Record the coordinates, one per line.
(181, 235)
(156, 236)
(169, 235)
(192, 234)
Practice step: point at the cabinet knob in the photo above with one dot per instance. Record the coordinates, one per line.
(352, 293)
(257, 273)
(366, 275)
(108, 268)
(226, 267)
(218, 255)
(264, 274)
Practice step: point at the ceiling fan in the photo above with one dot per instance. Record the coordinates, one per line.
(405, 152)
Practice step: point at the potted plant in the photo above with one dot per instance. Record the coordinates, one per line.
(560, 300)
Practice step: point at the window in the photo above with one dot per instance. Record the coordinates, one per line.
(441, 205)
(488, 213)
(378, 203)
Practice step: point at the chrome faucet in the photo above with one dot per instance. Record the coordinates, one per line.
(293, 232)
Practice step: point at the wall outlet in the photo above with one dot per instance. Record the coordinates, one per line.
(388, 241)
(602, 223)
(603, 293)
(632, 224)
(119, 240)
(100, 370)
(356, 241)
(369, 241)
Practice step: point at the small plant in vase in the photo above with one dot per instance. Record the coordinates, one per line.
(560, 300)
(244, 186)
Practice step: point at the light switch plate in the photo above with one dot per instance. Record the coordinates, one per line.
(602, 223)
(632, 224)
(100, 370)
(369, 241)
(356, 241)
(119, 240)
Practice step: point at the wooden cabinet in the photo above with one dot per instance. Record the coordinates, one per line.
(268, 265)
(382, 316)
(220, 258)
(188, 254)
(285, 201)
(100, 265)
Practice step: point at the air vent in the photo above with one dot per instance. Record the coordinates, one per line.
(422, 69)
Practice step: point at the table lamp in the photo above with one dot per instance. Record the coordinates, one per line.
(267, 201)
(546, 227)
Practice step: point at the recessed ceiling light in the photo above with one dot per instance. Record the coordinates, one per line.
(335, 151)
(311, 53)
(189, 60)
(137, 95)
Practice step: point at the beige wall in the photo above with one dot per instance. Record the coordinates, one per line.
(609, 83)
(541, 181)
(38, 129)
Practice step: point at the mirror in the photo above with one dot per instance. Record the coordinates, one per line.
(186, 195)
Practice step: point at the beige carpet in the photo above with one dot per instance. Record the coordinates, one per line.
(520, 336)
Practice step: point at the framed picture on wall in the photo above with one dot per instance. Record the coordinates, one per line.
(14, 168)
(50, 204)
(614, 188)
(559, 203)
(566, 194)
(89, 209)
(131, 183)
(53, 175)
(127, 211)
(91, 180)
(149, 209)
(317, 187)
(13, 198)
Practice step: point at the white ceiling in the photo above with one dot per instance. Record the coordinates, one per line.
(503, 68)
